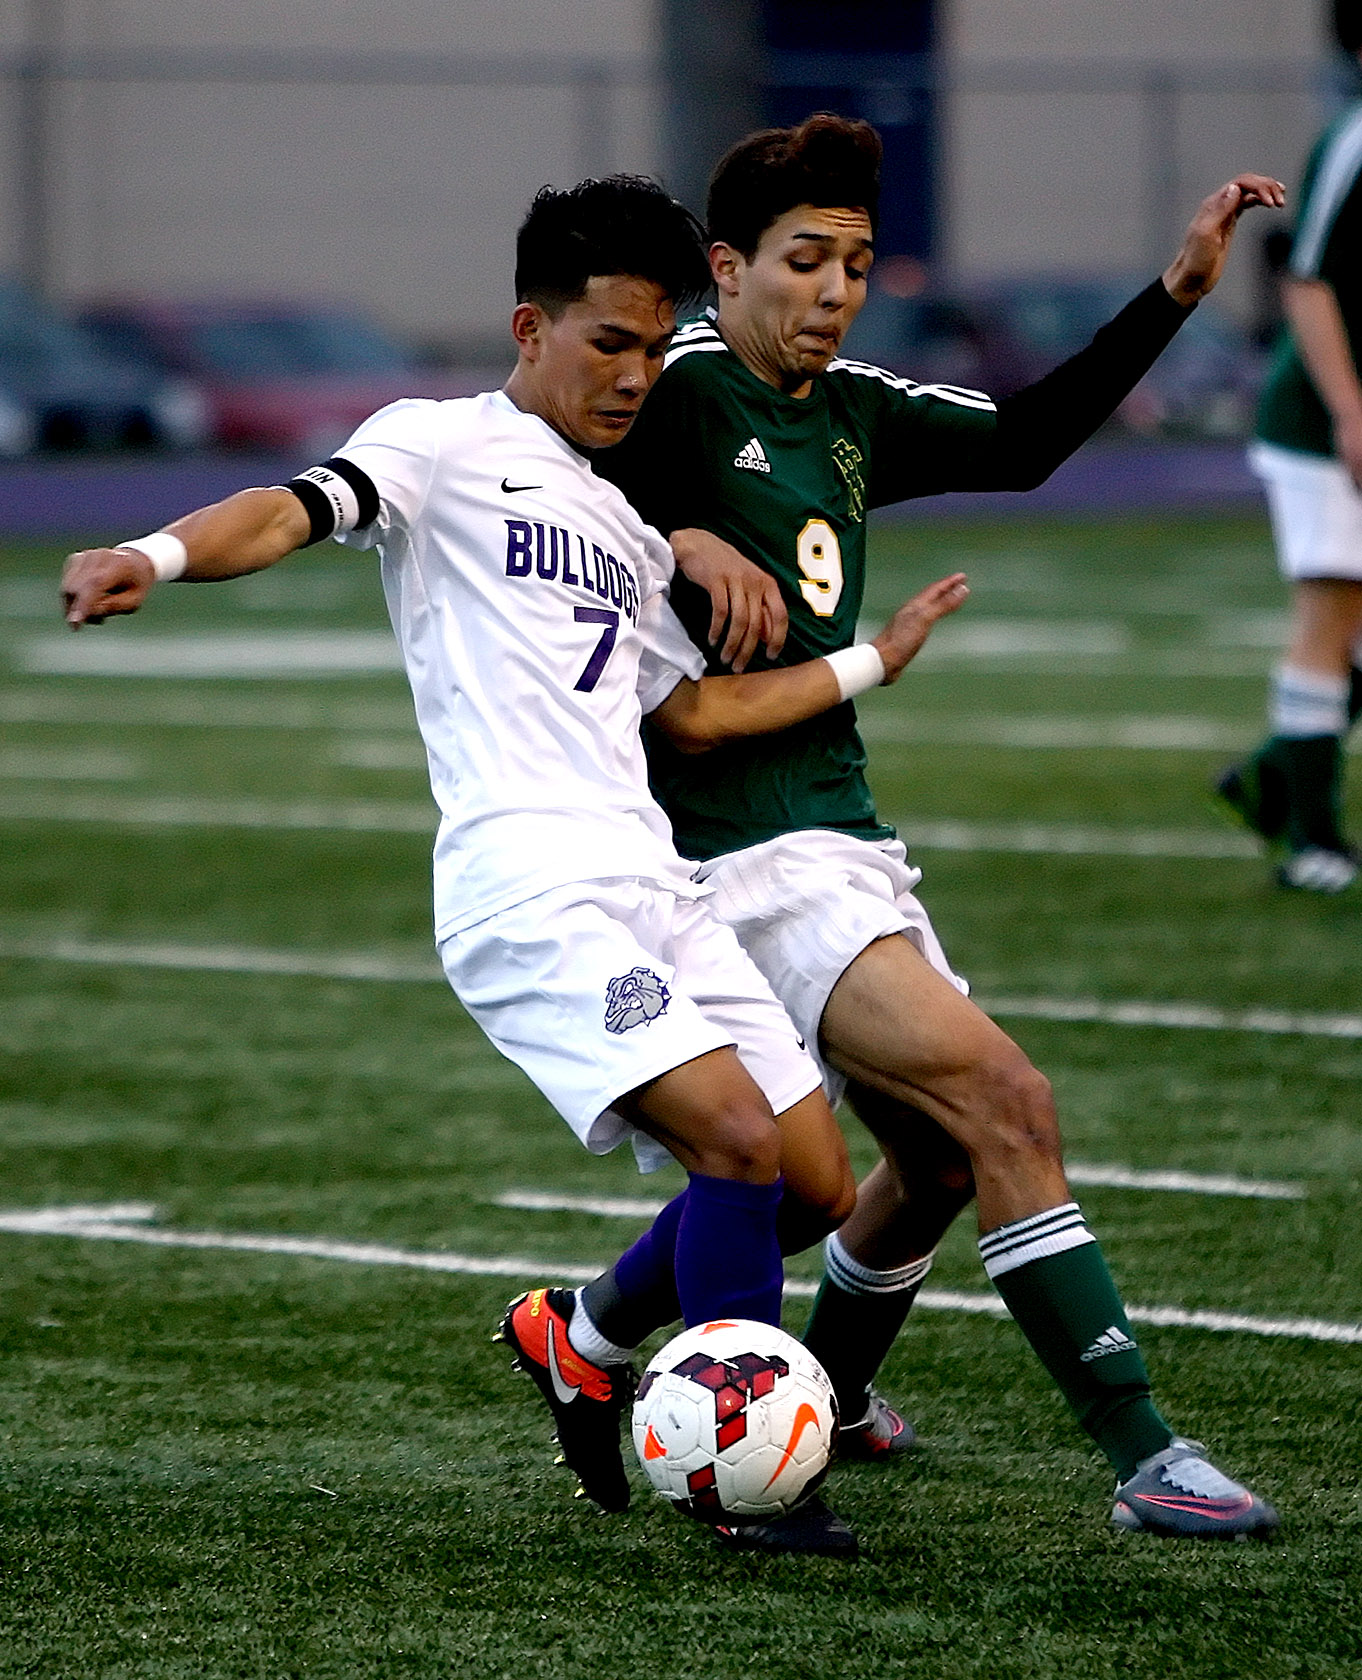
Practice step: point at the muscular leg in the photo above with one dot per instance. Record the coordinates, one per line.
(880, 1256)
(896, 1026)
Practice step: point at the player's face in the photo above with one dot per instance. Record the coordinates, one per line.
(587, 371)
(786, 310)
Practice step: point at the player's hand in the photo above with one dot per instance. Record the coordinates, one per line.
(742, 597)
(910, 626)
(1201, 261)
(99, 582)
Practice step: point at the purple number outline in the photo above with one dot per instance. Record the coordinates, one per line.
(596, 664)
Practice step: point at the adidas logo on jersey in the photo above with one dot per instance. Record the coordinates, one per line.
(752, 456)
(1112, 1340)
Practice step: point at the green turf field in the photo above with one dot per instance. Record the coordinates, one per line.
(226, 1462)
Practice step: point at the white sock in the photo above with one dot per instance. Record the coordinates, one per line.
(1036, 1238)
(1306, 703)
(589, 1342)
(849, 1274)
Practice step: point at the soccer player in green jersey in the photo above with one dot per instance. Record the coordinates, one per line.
(758, 434)
(1308, 452)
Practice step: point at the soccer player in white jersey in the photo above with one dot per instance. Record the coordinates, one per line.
(530, 602)
(760, 434)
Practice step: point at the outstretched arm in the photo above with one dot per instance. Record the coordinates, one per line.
(247, 532)
(704, 714)
(1038, 428)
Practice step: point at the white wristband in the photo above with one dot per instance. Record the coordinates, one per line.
(856, 669)
(167, 554)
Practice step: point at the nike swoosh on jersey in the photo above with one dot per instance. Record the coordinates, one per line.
(511, 489)
(567, 1392)
(803, 1418)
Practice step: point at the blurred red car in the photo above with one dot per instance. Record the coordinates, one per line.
(292, 377)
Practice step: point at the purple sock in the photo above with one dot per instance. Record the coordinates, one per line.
(727, 1254)
(644, 1278)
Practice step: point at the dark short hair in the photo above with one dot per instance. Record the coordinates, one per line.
(828, 161)
(1347, 16)
(625, 224)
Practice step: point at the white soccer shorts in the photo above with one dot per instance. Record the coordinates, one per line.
(597, 988)
(1316, 513)
(804, 906)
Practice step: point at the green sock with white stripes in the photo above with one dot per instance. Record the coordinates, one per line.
(1051, 1273)
(855, 1319)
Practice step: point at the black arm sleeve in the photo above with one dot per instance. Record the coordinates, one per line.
(1041, 426)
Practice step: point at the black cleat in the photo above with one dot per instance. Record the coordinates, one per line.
(810, 1527)
(1256, 793)
(587, 1401)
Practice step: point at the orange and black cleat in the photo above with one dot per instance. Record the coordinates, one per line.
(587, 1401)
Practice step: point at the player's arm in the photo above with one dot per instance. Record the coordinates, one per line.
(1311, 307)
(1017, 443)
(700, 714)
(245, 533)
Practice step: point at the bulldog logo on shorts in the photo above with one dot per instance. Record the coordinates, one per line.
(634, 999)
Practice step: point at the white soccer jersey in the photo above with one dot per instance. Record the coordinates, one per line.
(530, 601)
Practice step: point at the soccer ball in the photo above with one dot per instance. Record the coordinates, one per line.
(734, 1422)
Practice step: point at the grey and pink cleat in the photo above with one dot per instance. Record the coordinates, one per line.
(1179, 1492)
(882, 1433)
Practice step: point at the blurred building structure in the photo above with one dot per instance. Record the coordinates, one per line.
(383, 155)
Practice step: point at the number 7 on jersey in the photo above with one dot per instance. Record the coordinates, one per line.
(610, 622)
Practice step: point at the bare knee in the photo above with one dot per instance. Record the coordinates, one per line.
(1012, 1112)
(740, 1142)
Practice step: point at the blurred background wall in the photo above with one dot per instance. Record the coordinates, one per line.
(383, 154)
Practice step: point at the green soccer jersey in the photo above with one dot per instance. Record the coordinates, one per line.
(1327, 246)
(788, 481)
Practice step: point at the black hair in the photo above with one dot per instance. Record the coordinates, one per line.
(625, 224)
(1347, 16)
(828, 161)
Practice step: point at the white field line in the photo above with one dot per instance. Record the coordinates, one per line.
(379, 816)
(372, 816)
(1121, 733)
(226, 654)
(41, 764)
(78, 1222)
(184, 709)
(227, 959)
(1065, 840)
(1182, 1016)
(322, 965)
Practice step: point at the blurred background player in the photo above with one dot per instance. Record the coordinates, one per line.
(530, 602)
(758, 434)
(1308, 454)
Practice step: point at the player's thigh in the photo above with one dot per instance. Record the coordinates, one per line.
(729, 989)
(711, 1115)
(1326, 619)
(895, 1024)
(804, 907)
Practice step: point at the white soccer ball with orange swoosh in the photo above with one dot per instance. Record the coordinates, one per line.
(735, 1422)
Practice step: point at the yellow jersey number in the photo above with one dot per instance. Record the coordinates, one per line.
(820, 567)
